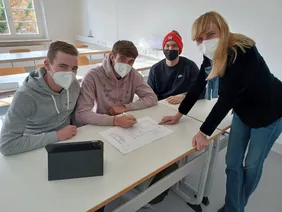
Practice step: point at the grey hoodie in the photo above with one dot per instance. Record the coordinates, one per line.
(35, 114)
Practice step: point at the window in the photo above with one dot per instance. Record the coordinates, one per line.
(21, 18)
(4, 25)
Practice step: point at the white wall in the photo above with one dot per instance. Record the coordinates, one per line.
(82, 21)
(133, 20)
(60, 18)
(100, 17)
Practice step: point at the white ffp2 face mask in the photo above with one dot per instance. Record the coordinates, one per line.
(122, 69)
(63, 78)
(208, 47)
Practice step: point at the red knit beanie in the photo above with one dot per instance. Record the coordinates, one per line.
(174, 36)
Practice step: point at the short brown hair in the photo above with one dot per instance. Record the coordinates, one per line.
(62, 47)
(126, 48)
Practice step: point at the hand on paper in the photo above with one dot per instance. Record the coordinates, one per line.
(125, 121)
(170, 120)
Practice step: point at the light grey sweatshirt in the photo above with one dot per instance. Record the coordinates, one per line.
(35, 114)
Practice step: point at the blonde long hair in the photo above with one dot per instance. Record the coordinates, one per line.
(228, 40)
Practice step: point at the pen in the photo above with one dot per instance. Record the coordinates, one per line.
(128, 115)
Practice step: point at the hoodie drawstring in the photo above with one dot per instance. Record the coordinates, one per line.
(117, 89)
(68, 98)
(124, 91)
(55, 103)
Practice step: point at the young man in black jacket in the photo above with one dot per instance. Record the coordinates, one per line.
(172, 77)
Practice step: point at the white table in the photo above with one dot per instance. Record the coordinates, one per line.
(81, 72)
(38, 55)
(140, 64)
(19, 78)
(201, 110)
(144, 63)
(23, 177)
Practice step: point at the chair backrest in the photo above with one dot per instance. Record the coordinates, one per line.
(12, 70)
(19, 50)
(81, 46)
(39, 65)
(83, 60)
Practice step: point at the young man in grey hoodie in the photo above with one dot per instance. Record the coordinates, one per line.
(41, 108)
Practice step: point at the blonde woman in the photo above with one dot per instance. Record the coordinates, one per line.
(248, 87)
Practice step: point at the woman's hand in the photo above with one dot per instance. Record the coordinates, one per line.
(170, 120)
(200, 141)
(174, 100)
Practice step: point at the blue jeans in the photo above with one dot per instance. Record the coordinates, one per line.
(243, 178)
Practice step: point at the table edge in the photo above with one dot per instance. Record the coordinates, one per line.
(112, 198)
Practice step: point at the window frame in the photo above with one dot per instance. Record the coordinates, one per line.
(40, 19)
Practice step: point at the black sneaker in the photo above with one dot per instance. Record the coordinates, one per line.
(221, 209)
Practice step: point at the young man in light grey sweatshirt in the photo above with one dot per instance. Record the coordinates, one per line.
(41, 108)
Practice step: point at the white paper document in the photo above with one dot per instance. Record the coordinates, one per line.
(145, 131)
